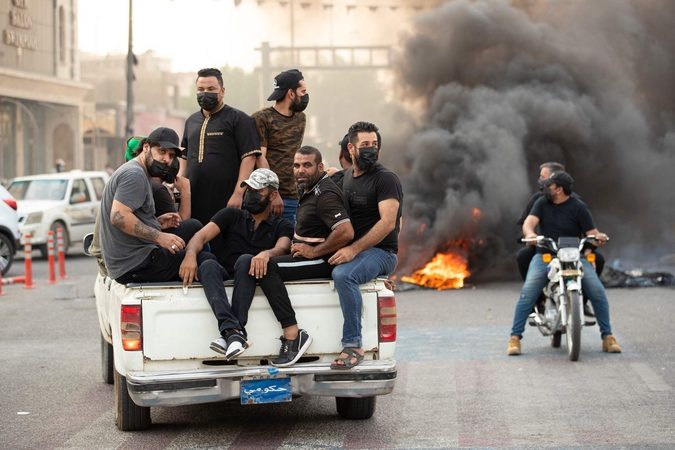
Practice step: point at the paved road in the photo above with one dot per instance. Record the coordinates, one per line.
(456, 387)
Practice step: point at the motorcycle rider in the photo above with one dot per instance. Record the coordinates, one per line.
(559, 214)
(526, 253)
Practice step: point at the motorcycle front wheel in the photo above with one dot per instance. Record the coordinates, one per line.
(573, 325)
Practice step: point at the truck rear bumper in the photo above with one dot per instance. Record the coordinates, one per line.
(203, 386)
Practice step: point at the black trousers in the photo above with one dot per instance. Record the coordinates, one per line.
(161, 264)
(279, 269)
(525, 255)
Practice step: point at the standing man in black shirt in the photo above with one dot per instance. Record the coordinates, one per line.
(221, 145)
(252, 236)
(322, 227)
(375, 199)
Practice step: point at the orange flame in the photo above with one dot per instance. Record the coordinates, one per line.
(445, 271)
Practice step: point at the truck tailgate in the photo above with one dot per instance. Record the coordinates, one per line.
(166, 310)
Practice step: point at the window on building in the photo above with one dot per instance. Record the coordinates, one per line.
(62, 35)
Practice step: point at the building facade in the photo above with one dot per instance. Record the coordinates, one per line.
(41, 95)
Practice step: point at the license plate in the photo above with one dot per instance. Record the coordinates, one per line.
(269, 390)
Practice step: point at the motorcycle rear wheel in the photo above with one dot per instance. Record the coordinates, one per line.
(573, 324)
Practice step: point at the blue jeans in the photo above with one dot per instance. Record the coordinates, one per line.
(290, 207)
(536, 280)
(364, 267)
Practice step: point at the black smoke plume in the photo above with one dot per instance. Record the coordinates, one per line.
(505, 86)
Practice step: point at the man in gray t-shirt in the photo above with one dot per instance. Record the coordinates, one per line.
(134, 247)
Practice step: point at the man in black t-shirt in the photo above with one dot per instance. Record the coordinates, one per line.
(558, 215)
(375, 198)
(322, 226)
(525, 254)
(221, 145)
(251, 238)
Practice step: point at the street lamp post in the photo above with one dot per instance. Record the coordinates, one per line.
(131, 61)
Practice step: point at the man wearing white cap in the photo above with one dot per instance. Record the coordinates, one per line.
(251, 237)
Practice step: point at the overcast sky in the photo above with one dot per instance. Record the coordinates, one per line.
(194, 33)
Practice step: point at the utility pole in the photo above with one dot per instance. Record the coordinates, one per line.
(131, 61)
(292, 33)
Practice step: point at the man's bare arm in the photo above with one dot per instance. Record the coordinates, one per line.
(245, 168)
(182, 184)
(529, 225)
(261, 160)
(388, 212)
(337, 239)
(182, 163)
(122, 217)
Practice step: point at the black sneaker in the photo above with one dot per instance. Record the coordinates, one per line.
(292, 350)
(236, 344)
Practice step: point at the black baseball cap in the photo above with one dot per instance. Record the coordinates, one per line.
(559, 178)
(288, 79)
(167, 138)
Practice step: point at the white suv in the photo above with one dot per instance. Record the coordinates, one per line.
(67, 200)
(9, 230)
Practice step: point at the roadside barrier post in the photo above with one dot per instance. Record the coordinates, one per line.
(62, 254)
(28, 258)
(50, 257)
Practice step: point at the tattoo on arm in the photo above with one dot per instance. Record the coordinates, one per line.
(143, 231)
(118, 220)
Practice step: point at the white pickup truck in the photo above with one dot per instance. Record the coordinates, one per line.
(155, 349)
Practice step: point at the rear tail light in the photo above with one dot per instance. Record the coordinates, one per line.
(11, 202)
(386, 312)
(132, 335)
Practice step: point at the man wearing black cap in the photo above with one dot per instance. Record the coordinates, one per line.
(221, 145)
(558, 214)
(281, 129)
(134, 247)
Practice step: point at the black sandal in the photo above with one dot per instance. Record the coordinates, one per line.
(347, 360)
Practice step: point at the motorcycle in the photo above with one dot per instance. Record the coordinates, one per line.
(563, 308)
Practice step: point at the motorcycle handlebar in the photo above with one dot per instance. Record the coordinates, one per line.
(543, 241)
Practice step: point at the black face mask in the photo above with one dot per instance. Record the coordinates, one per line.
(548, 195)
(302, 105)
(207, 100)
(367, 158)
(253, 202)
(155, 168)
(171, 172)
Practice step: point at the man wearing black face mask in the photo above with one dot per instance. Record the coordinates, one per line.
(252, 236)
(134, 247)
(375, 200)
(559, 214)
(221, 144)
(281, 129)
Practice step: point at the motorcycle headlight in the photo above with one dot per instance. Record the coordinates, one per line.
(35, 217)
(569, 254)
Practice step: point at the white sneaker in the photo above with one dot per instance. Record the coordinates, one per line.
(219, 345)
(236, 345)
